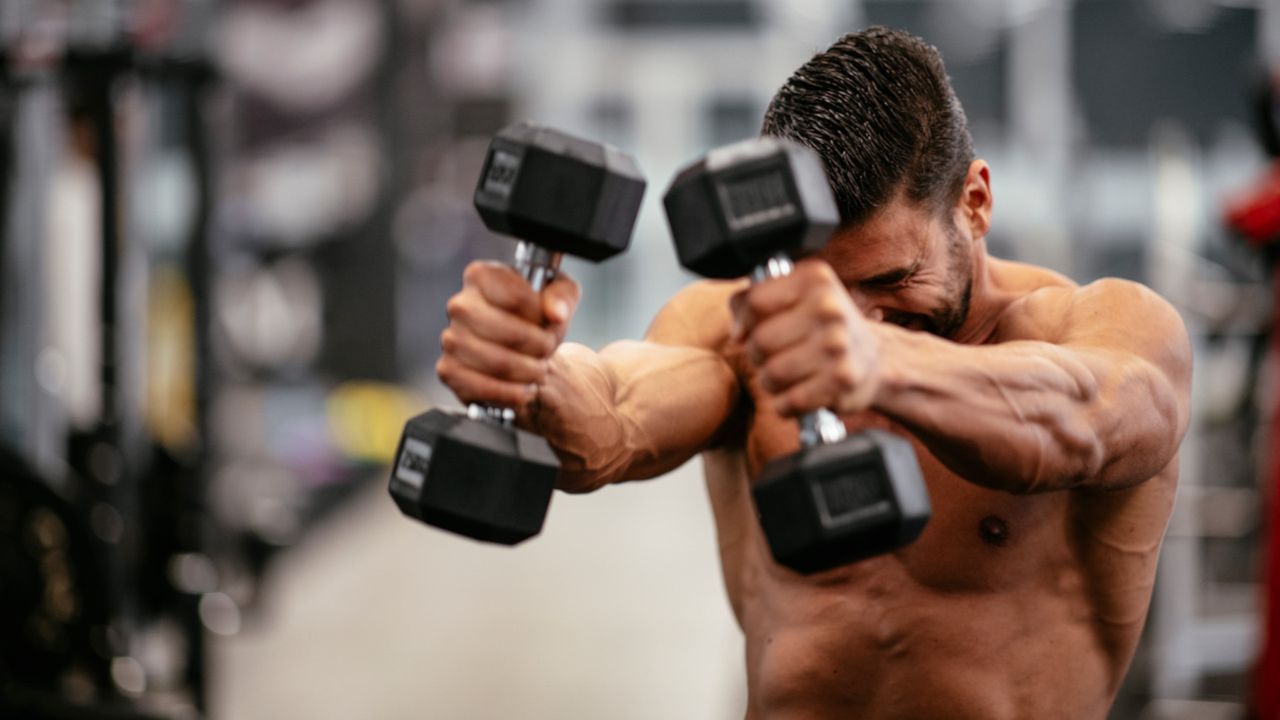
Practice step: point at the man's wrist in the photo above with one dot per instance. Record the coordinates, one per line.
(898, 348)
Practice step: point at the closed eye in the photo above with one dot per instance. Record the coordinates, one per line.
(893, 278)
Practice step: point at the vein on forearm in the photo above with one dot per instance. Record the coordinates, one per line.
(665, 423)
(1017, 416)
(635, 410)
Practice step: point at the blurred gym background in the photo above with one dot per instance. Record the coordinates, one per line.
(227, 232)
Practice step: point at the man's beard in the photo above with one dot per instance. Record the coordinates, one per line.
(947, 320)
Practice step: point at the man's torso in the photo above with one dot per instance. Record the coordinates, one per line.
(1008, 606)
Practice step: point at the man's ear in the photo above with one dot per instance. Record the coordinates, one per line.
(974, 206)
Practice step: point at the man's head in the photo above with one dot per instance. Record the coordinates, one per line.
(879, 108)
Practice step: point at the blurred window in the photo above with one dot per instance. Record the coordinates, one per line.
(614, 121)
(1133, 67)
(481, 115)
(729, 119)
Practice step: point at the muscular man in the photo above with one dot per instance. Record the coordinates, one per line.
(1046, 417)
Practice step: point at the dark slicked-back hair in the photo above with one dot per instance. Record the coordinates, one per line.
(879, 108)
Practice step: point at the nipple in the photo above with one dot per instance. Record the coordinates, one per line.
(994, 530)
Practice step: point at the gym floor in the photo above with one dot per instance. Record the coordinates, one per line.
(374, 616)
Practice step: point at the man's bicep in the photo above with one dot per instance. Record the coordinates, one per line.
(673, 401)
(675, 389)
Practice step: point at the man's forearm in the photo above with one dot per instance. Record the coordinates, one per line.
(1030, 416)
(632, 411)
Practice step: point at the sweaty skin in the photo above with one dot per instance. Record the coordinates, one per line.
(1046, 426)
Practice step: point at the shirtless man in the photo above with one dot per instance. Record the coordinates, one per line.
(1046, 417)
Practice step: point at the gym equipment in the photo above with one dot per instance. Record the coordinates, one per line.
(475, 474)
(50, 568)
(748, 208)
(93, 516)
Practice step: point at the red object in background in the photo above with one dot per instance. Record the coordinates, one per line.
(1256, 216)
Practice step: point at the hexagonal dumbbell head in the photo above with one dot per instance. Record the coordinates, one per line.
(474, 478)
(559, 192)
(743, 203)
(831, 505)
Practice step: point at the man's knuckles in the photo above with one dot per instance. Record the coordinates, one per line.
(559, 303)
(474, 272)
(447, 370)
(458, 307)
(783, 371)
(846, 378)
(501, 286)
(449, 341)
(819, 302)
(833, 341)
(564, 289)
(774, 295)
(830, 305)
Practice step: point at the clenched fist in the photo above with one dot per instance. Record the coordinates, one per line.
(811, 344)
(501, 335)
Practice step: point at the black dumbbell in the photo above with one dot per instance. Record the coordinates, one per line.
(474, 473)
(747, 209)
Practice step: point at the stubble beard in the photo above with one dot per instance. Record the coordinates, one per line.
(947, 321)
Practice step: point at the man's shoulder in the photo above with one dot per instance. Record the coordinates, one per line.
(1022, 279)
(1051, 307)
(1038, 299)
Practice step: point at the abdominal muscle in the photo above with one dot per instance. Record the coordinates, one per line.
(945, 628)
